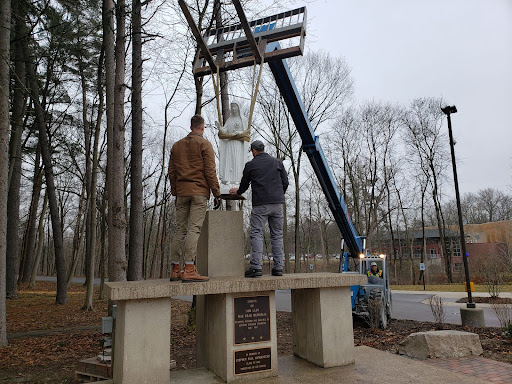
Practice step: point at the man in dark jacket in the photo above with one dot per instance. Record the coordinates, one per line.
(192, 174)
(268, 180)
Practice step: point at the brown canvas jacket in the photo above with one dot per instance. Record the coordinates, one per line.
(192, 167)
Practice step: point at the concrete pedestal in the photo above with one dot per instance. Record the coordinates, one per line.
(142, 340)
(472, 317)
(219, 346)
(220, 249)
(220, 253)
(322, 326)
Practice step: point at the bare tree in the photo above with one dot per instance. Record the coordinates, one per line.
(61, 297)
(38, 251)
(88, 304)
(136, 241)
(18, 111)
(5, 36)
(31, 229)
(114, 70)
(494, 205)
(424, 137)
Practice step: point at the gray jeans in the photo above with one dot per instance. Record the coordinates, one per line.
(259, 215)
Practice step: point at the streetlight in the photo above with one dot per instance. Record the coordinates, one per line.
(448, 110)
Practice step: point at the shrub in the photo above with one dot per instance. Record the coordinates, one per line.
(437, 306)
(504, 314)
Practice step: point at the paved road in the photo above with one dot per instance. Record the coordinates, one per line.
(414, 306)
(409, 305)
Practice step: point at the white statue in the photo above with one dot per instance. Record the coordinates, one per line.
(233, 148)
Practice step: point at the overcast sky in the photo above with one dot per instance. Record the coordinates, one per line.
(458, 49)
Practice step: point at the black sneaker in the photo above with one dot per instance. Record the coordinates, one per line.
(277, 272)
(251, 272)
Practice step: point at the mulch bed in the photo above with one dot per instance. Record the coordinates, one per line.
(487, 300)
(495, 345)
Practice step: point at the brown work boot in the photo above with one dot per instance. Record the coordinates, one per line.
(176, 273)
(190, 274)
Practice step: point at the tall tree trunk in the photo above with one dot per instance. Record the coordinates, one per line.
(296, 173)
(198, 82)
(423, 239)
(103, 235)
(61, 297)
(88, 304)
(114, 71)
(29, 240)
(286, 243)
(136, 247)
(5, 35)
(77, 237)
(88, 171)
(40, 242)
(442, 236)
(13, 198)
(160, 238)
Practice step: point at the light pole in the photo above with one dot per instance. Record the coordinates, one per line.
(448, 110)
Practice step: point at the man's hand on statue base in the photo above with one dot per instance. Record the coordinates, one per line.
(233, 191)
(216, 202)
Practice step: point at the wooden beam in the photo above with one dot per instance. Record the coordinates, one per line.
(195, 31)
(248, 32)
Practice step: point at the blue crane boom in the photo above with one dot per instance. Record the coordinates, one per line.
(311, 145)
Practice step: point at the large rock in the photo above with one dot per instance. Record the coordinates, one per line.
(442, 344)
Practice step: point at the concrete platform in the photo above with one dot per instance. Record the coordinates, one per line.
(321, 311)
(154, 289)
(371, 367)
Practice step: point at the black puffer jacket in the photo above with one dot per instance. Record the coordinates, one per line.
(267, 177)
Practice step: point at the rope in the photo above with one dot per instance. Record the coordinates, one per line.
(254, 92)
(244, 136)
(216, 86)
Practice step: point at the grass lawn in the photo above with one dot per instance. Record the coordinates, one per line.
(447, 287)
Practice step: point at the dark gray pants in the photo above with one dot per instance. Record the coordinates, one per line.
(259, 215)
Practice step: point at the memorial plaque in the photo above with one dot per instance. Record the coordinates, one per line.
(252, 319)
(253, 360)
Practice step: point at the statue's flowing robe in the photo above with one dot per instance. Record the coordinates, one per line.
(232, 153)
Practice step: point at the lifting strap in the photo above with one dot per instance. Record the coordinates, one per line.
(216, 86)
(255, 87)
(245, 135)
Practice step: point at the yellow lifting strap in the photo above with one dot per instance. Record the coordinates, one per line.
(244, 136)
(254, 92)
(216, 86)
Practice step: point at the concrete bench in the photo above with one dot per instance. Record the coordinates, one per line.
(322, 324)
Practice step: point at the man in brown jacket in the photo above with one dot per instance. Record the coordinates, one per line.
(193, 175)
